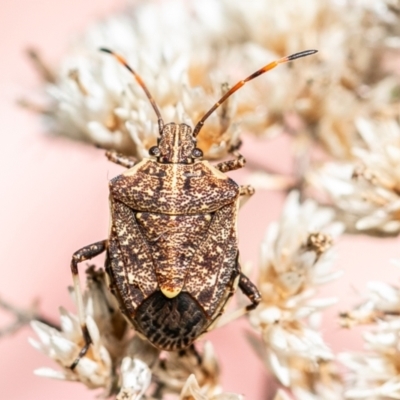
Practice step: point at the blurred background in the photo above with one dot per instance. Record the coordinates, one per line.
(54, 200)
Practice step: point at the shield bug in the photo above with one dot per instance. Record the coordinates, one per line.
(172, 251)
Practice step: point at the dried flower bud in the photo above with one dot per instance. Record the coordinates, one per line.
(295, 256)
(367, 190)
(192, 391)
(118, 360)
(136, 378)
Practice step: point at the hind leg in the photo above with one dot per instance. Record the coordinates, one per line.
(250, 290)
(85, 253)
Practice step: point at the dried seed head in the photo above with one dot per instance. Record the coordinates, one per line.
(293, 262)
(93, 99)
(374, 373)
(176, 368)
(136, 378)
(100, 106)
(118, 360)
(366, 191)
(108, 332)
(318, 243)
(192, 391)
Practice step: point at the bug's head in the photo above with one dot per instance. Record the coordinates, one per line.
(176, 145)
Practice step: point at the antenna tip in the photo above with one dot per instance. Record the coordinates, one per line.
(300, 54)
(105, 50)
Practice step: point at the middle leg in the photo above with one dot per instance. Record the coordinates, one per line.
(246, 191)
(231, 165)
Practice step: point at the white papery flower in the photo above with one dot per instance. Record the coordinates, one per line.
(320, 96)
(192, 391)
(92, 97)
(375, 373)
(185, 50)
(94, 369)
(113, 111)
(297, 252)
(296, 257)
(281, 395)
(382, 303)
(366, 191)
(107, 329)
(175, 370)
(136, 378)
(111, 341)
(118, 360)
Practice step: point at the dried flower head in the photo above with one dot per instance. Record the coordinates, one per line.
(136, 378)
(118, 360)
(94, 369)
(382, 303)
(375, 374)
(319, 96)
(114, 360)
(192, 391)
(175, 369)
(107, 329)
(366, 191)
(92, 98)
(281, 395)
(297, 255)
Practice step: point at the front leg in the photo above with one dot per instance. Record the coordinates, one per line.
(231, 165)
(120, 159)
(85, 253)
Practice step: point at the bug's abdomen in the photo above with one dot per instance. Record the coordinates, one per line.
(171, 324)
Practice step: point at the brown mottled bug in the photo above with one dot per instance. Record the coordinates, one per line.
(172, 250)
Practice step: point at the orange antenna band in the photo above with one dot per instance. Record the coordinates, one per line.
(259, 72)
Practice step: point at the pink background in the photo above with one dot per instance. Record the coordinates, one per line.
(54, 201)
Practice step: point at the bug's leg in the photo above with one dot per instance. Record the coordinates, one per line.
(235, 147)
(120, 159)
(231, 165)
(250, 290)
(194, 351)
(221, 318)
(246, 191)
(191, 350)
(85, 253)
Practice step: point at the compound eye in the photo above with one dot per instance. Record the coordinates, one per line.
(154, 151)
(196, 153)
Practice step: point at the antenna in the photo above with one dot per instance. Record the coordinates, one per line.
(139, 80)
(266, 68)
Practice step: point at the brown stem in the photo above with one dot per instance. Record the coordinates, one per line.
(22, 318)
(43, 69)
